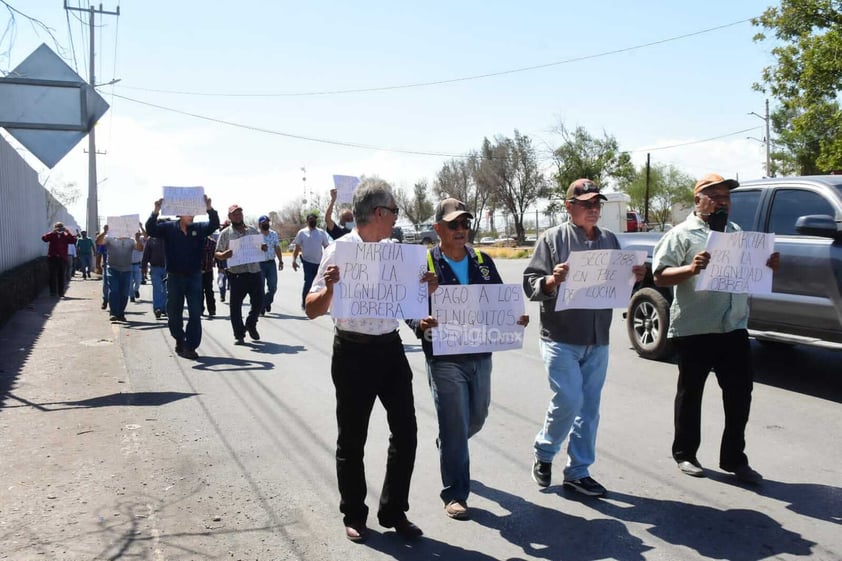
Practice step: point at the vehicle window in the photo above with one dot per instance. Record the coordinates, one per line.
(790, 204)
(743, 208)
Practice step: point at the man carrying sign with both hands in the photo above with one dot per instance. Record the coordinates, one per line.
(573, 343)
(461, 384)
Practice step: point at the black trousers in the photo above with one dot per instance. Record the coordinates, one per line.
(728, 355)
(363, 372)
(56, 271)
(207, 289)
(239, 285)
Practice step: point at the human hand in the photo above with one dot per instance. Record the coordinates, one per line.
(700, 261)
(428, 323)
(774, 262)
(639, 271)
(208, 205)
(158, 204)
(281, 266)
(333, 195)
(523, 320)
(560, 272)
(432, 281)
(294, 265)
(331, 275)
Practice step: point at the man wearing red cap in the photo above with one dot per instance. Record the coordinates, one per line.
(574, 343)
(709, 331)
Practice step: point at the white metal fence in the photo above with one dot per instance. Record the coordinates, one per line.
(27, 211)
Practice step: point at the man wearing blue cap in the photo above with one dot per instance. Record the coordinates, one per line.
(272, 247)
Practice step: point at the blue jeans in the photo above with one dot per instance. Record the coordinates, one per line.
(119, 284)
(270, 276)
(86, 262)
(137, 276)
(310, 272)
(461, 393)
(576, 374)
(158, 276)
(180, 287)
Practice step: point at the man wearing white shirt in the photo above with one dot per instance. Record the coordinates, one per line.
(310, 242)
(359, 380)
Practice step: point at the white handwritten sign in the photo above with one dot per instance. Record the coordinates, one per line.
(246, 250)
(738, 263)
(345, 186)
(184, 201)
(598, 279)
(380, 280)
(123, 226)
(477, 318)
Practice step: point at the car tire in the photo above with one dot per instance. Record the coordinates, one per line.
(647, 323)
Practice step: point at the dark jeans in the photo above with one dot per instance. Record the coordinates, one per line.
(207, 288)
(180, 287)
(240, 284)
(56, 271)
(728, 355)
(363, 372)
(119, 286)
(310, 272)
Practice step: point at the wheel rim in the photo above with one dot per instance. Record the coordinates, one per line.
(646, 324)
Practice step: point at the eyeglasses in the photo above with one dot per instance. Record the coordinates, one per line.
(456, 224)
(588, 205)
(394, 210)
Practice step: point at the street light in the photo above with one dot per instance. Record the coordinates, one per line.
(767, 139)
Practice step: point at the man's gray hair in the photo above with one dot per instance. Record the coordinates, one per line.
(370, 194)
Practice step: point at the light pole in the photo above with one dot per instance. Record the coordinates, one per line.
(767, 140)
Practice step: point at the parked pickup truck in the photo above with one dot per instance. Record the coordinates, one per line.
(422, 233)
(805, 307)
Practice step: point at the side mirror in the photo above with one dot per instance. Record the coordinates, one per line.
(822, 225)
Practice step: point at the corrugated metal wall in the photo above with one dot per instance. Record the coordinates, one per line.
(27, 211)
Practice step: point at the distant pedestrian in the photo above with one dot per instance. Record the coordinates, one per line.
(85, 253)
(137, 269)
(119, 270)
(184, 242)
(310, 242)
(346, 219)
(267, 266)
(244, 279)
(70, 270)
(155, 259)
(208, 261)
(58, 239)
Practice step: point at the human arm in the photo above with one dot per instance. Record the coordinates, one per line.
(152, 222)
(542, 275)
(318, 303)
(280, 254)
(329, 224)
(774, 262)
(296, 252)
(213, 217)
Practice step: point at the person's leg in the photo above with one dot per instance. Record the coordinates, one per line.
(354, 400)
(395, 394)
(222, 283)
(159, 300)
(694, 364)
(735, 376)
(255, 291)
(581, 446)
(207, 289)
(310, 271)
(236, 296)
(271, 274)
(176, 291)
(137, 276)
(449, 385)
(193, 333)
(52, 268)
(116, 291)
(562, 364)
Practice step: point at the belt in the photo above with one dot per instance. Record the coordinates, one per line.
(366, 339)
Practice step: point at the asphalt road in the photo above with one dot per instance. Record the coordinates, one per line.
(115, 448)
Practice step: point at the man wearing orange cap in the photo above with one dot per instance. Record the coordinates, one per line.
(709, 331)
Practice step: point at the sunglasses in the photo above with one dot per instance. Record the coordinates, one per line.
(466, 224)
(394, 210)
(588, 205)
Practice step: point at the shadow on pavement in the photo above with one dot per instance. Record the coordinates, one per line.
(551, 534)
(230, 364)
(807, 370)
(733, 534)
(138, 399)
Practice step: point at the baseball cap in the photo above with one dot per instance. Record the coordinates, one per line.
(312, 215)
(712, 180)
(263, 218)
(451, 209)
(584, 190)
(234, 208)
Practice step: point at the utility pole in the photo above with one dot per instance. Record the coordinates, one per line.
(93, 203)
(767, 140)
(646, 195)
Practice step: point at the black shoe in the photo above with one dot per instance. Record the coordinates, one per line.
(268, 308)
(747, 475)
(113, 319)
(179, 348)
(542, 473)
(404, 528)
(222, 297)
(132, 299)
(137, 294)
(211, 314)
(587, 486)
(253, 333)
(239, 340)
(263, 312)
(157, 314)
(189, 353)
(104, 305)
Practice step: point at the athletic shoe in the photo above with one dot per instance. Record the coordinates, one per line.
(587, 486)
(458, 510)
(542, 473)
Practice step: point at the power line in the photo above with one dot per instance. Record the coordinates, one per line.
(695, 141)
(291, 135)
(450, 80)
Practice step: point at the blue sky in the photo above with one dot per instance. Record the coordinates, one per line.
(675, 92)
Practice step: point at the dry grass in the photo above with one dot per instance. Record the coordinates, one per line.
(507, 252)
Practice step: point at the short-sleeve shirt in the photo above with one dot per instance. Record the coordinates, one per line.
(692, 312)
(369, 326)
(120, 253)
(230, 233)
(312, 243)
(271, 240)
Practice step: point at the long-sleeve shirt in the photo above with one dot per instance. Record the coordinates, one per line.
(183, 251)
(58, 242)
(154, 253)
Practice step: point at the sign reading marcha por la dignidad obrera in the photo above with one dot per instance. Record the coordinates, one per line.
(598, 279)
(477, 318)
(380, 280)
(738, 263)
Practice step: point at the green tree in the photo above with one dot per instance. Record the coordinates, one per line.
(668, 186)
(805, 80)
(460, 178)
(509, 168)
(417, 207)
(583, 155)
